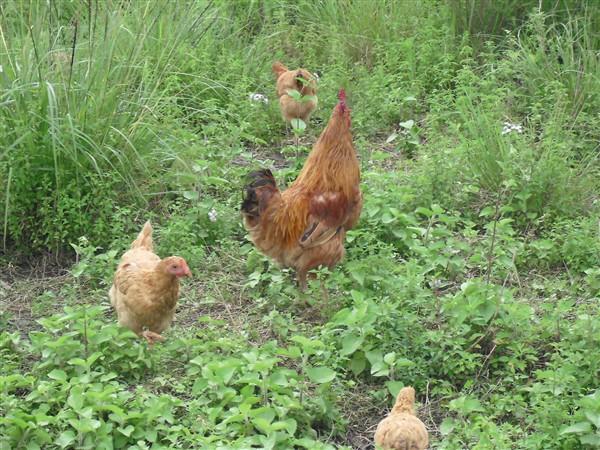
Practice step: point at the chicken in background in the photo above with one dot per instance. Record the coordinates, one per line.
(402, 429)
(305, 226)
(300, 80)
(146, 288)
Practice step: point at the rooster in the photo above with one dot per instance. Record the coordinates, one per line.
(304, 226)
(300, 80)
(146, 288)
(401, 429)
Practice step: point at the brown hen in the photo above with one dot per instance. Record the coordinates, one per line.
(401, 429)
(300, 80)
(146, 288)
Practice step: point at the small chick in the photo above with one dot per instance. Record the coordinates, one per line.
(146, 288)
(401, 429)
(300, 80)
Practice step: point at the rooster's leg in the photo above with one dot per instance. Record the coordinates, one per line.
(302, 280)
(325, 292)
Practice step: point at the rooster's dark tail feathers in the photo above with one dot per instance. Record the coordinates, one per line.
(256, 183)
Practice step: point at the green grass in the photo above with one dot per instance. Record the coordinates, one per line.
(472, 275)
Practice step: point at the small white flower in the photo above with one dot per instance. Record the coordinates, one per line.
(212, 215)
(256, 97)
(1, 68)
(510, 127)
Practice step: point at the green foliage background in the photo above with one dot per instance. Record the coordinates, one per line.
(473, 274)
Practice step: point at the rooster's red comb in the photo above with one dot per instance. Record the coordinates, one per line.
(342, 102)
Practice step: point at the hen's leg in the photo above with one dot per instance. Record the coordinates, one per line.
(301, 274)
(152, 337)
(325, 292)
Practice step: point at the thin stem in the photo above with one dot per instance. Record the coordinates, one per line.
(491, 251)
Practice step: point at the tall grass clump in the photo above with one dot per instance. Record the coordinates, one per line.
(488, 19)
(518, 115)
(81, 103)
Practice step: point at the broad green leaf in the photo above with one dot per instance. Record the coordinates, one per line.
(298, 125)
(594, 418)
(291, 352)
(127, 430)
(216, 181)
(591, 439)
(403, 362)
(225, 373)
(408, 124)
(262, 425)
(265, 413)
(358, 363)
(268, 442)
(465, 405)
(390, 358)
(279, 378)
(320, 374)
(487, 211)
(75, 399)
(472, 404)
(447, 426)
(579, 427)
(359, 277)
(394, 387)
(295, 94)
(380, 369)
(426, 212)
(77, 362)
(350, 344)
(65, 439)
(391, 138)
(374, 356)
(191, 195)
(291, 425)
(57, 374)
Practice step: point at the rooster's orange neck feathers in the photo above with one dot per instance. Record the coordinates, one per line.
(332, 164)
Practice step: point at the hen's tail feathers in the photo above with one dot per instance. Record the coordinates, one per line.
(253, 201)
(278, 68)
(144, 239)
(405, 401)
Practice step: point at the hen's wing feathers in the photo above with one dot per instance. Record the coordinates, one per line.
(329, 212)
(317, 234)
(130, 281)
(354, 211)
(123, 277)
